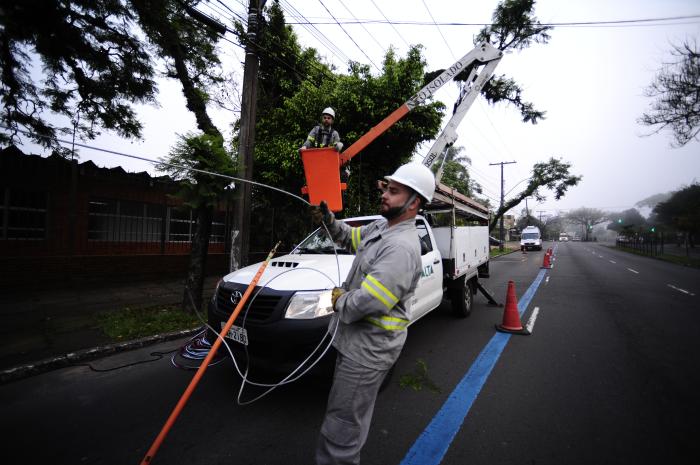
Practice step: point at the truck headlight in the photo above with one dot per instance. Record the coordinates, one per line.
(308, 305)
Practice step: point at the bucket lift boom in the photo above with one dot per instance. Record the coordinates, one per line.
(484, 55)
(323, 179)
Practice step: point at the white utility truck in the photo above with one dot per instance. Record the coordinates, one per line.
(290, 310)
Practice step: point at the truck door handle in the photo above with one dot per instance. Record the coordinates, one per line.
(436, 261)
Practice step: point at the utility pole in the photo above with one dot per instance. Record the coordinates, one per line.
(240, 235)
(540, 212)
(527, 212)
(500, 229)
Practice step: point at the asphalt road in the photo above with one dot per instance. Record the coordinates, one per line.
(609, 375)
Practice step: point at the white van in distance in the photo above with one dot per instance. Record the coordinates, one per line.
(531, 239)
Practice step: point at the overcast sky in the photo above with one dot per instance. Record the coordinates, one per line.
(589, 79)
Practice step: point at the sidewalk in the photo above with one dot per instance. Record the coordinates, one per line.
(42, 325)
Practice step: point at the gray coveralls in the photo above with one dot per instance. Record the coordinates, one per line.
(372, 316)
(322, 137)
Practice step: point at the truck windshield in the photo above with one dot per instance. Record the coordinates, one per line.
(531, 236)
(320, 243)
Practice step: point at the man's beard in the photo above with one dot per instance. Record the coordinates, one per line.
(392, 212)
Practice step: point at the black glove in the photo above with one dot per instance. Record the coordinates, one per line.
(321, 214)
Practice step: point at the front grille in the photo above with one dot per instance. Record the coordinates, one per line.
(263, 308)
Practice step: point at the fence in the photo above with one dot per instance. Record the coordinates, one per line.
(651, 244)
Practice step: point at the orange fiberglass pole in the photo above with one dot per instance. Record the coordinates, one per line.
(202, 368)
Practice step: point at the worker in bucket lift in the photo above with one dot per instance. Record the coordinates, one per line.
(372, 308)
(324, 135)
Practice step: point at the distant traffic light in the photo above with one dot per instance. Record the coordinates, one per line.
(653, 229)
(619, 220)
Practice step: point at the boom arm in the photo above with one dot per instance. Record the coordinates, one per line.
(483, 54)
(468, 94)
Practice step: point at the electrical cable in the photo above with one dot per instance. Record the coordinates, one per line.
(622, 22)
(159, 355)
(314, 31)
(390, 23)
(349, 36)
(156, 162)
(439, 30)
(363, 27)
(202, 350)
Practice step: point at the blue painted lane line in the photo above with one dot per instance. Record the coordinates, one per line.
(433, 443)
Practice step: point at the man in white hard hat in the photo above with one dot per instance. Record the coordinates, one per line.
(324, 135)
(372, 308)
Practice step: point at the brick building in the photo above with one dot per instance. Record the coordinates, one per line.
(64, 222)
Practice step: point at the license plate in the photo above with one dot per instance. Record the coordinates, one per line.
(237, 333)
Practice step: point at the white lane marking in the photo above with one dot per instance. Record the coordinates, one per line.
(612, 261)
(680, 290)
(633, 271)
(531, 322)
(546, 280)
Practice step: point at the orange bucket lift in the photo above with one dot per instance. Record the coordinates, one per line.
(322, 171)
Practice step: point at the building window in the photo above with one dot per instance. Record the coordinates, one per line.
(124, 221)
(23, 214)
(181, 225)
(218, 229)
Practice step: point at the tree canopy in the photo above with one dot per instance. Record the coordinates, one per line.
(627, 220)
(455, 172)
(553, 174)
(676, 94)
(94, 68)
(586, 218)
(682, 211)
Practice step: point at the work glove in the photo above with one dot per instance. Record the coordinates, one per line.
(321, 214)
(338, 146)
(335, 294)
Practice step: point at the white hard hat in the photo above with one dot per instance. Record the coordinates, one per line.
(416, 176)
(328, 111)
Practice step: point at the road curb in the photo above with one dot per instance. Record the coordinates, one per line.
(66, 360)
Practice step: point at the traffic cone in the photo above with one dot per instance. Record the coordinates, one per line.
(546, 263)
(511, 317)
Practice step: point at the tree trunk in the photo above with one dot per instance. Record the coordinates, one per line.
(194, 284)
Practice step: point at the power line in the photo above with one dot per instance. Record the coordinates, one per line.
(314, 31)
(390, 23)
(439, 30)
(363, 27)
(642, 21)
(349, 36)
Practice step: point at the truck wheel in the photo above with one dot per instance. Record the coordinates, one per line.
(462, 299)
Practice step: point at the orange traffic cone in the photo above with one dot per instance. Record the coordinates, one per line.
(511, 317)
(546, 263)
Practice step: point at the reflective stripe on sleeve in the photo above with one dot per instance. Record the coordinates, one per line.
(377, 289)
(355, 234)
(389, 323)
